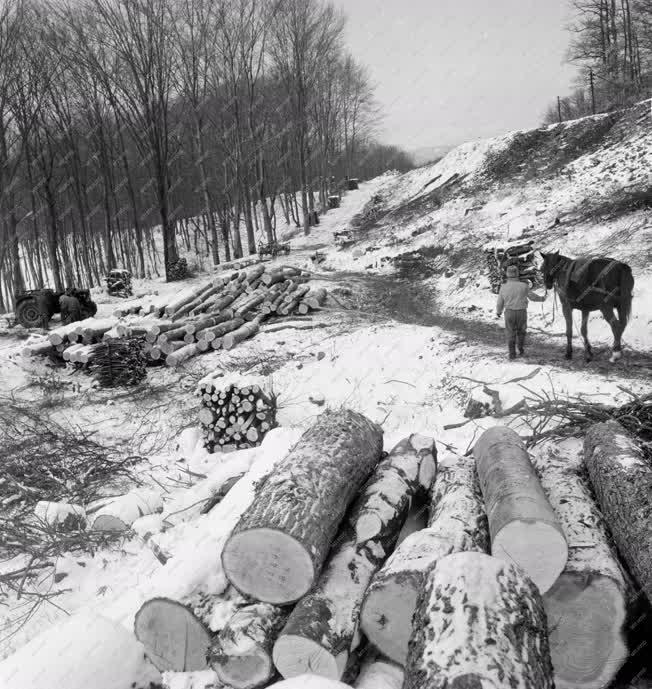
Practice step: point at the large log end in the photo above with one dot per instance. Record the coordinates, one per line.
(175, 640)
(269, 563)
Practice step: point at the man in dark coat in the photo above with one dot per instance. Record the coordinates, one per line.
(70, 308)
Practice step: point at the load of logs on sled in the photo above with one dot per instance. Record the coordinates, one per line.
(218, 314)
(521, 255)
(319, 562)
(236, 417)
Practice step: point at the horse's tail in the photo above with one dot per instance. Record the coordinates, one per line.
(626, 290)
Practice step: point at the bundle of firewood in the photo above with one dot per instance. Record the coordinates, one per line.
(235, 417)
(118, 363)
(520, 255)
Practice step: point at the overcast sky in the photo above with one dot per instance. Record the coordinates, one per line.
(448, 71)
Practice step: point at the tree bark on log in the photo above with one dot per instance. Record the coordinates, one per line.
(586, 607)
(622, 481)
(189, 590)
(320, 631)
(457, 522)
(523, 526)
(241, 655)
(182, 354)
(277, 551)
(480, 622)
(409, 468)
(231, 339)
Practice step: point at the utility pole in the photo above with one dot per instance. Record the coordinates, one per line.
(559, 108)
(591, 81)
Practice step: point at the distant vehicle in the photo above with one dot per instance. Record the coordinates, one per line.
(35, 307)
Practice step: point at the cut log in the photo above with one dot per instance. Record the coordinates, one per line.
(586, 606)
(523, 526)
(378, 673)
(175, 638)
(120, 514)
(480, 622)
(457, 522)
(622, 481)
(231, 339)
(218, 331)
(177, 630)
(196, 327)
(183, 354)
(81, 651)
(277, 551)
(37, 349)
(242, 653)
(321, 628)
(409, 468)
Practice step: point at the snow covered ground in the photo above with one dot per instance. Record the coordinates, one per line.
(412, 373)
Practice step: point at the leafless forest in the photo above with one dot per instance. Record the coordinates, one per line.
(198, 117)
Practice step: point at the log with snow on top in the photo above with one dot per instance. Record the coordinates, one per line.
(58, 335)
(69, 351)
(586, 606)
(622, 480)
(81, 651)
(379, 673)
(277, 550)
(119, 514)
(186, 602)
(37, 348)
(456, 522)
(321, 629)
(60, 514)
(480, 622)
(188, 504)
(410, 467)
(522, 524)
(241, 655)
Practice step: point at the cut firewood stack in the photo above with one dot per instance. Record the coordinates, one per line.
(235, 417)
(521, 255)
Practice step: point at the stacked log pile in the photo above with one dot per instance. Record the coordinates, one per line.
(235, 417)
(318, 558)
(520, 255)
(219, 314)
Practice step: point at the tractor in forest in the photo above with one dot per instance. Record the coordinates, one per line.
(35, 307)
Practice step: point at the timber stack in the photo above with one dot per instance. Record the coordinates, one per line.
(314, 560)
(218, 314)
(235, 417)
(520, 255)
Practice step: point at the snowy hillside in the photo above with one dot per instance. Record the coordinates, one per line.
(408, 348)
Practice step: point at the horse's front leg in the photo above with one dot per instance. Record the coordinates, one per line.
(617, 330)
(568, 315)
(588, 353)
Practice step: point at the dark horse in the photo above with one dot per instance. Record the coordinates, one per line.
(591, 284)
